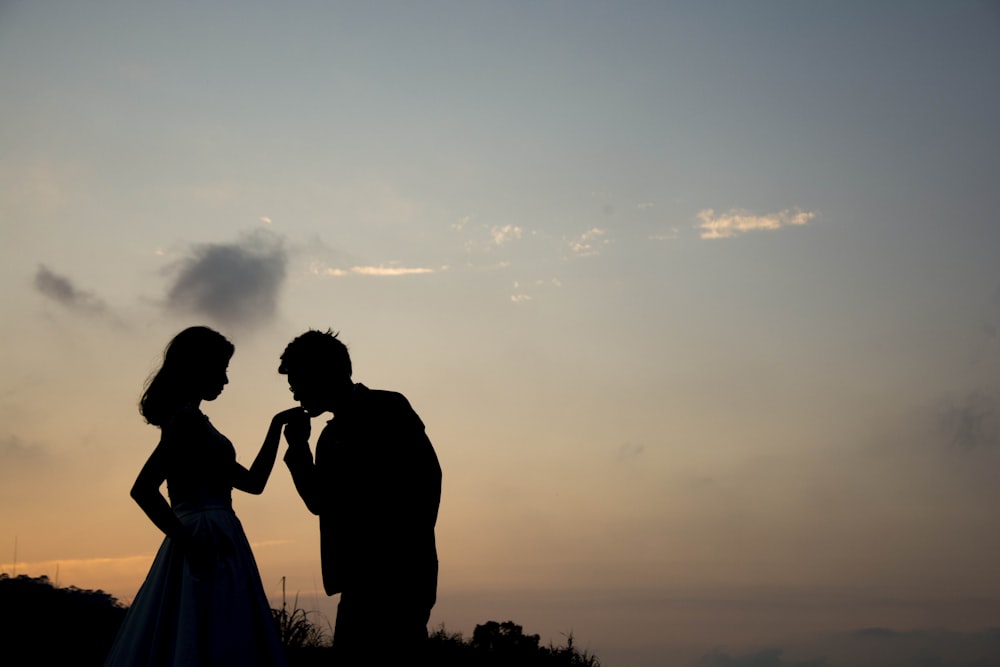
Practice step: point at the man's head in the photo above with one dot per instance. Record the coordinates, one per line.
(318, 367)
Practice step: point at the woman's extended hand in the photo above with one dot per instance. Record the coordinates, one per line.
(296, 423)
(288, 415)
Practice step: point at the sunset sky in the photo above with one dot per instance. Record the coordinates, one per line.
(699, 301)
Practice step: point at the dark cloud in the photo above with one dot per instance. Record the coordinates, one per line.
(13, 450)
(972, 422)
(232, 284)
(18, 460)
(771, 657)
(877, 633)
(629, 451)
(62, 290)
(883, 647)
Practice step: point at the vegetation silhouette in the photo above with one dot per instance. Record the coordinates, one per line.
(504, 644)
(43, 624)
(297, 632)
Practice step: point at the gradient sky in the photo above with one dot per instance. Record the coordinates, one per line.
(700, 302)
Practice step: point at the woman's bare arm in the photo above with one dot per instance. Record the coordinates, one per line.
(255, 479)
(146, 493)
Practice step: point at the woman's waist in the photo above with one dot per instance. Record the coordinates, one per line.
(188, 507)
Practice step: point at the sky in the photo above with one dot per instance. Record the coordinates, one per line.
(699, 301)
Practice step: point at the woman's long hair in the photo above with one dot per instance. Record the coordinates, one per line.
(186, 358)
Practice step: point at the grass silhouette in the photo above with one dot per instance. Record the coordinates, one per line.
(296, 630)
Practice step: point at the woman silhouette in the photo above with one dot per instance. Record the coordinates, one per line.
(202, 602)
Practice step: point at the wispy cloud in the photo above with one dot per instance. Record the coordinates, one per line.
(629, 451)
(524, 292)
(769, 657)
(588, 243)
(484, 268)
(671, 234)
(739, 221)
(13, 449)
(20, 460)
(380, 271)
(62, 290)
(505, 233)
(390, 270)
(235, 284)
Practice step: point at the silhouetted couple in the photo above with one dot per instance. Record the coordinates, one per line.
(375, 483)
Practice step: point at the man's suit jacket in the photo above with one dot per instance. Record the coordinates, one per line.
(376, 486)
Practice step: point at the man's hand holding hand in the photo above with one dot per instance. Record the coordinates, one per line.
(297, 427)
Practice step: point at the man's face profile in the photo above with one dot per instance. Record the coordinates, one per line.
(307, 389)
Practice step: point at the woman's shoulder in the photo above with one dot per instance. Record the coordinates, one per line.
(184, 419)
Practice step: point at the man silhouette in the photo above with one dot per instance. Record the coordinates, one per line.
(375, 484)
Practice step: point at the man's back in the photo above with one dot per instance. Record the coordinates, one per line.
(382, 483)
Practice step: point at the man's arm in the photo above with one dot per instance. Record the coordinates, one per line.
(300, 463)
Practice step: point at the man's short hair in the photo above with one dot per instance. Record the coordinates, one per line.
(316, 350)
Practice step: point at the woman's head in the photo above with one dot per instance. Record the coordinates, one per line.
(194, 369)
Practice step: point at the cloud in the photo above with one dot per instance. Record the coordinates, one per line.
(18, 461)
(460, 225)
(770, 657)
(971, 423)
(877, 633)
(739, 221)
(506, 233)
(380, 271)
(587, 244)
(524, 292)
(629, 451)
(13, 450)
(872, 646)
(390, 270)
(233, 284)
(62, 290)
(671, 234)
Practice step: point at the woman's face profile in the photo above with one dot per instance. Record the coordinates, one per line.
(213, 380)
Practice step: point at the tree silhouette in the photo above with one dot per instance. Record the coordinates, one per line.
(56, 626)
(505, 644)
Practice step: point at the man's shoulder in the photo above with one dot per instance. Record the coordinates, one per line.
(381, 399)
(380, 403)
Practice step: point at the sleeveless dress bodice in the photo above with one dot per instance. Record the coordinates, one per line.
(200, 463)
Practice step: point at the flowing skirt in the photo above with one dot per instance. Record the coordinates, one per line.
(210, 615)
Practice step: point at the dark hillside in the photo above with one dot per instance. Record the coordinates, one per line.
(56, 626)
